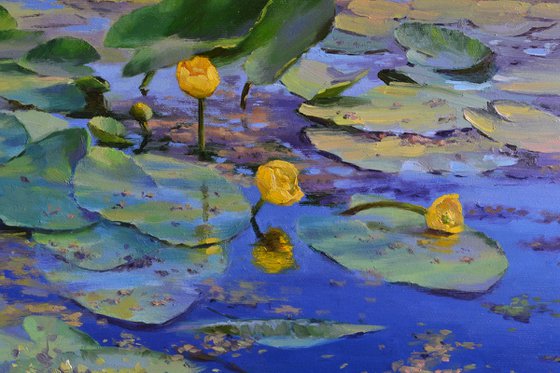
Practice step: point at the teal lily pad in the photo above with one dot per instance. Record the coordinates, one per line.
(35, 189)
(40, 125)
(13, 137)
(395, 244)
(177, 202)
(313, 80)
(109, 131)
(102, 247)
(441, 48)
(63, 56)
(279, 333)
(340, 42)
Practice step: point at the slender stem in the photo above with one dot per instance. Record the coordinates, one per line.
(201, 137)
(256, 227)
(146, 82)
(205, 204)
(255, 210)
(244, 94)
(401, 205)
(146, 131)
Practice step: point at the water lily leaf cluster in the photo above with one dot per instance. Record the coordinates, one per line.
(395, 244)
(54, 346)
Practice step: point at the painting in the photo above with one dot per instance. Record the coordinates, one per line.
(279, 186)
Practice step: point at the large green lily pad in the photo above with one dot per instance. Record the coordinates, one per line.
(35, 188)
(175, 201)
(153, 289)
(109, 131)
(395, 244)
(39, 124)
(397, 108)
(279, 333)
(64, 344)
(441, 48)
(63, 56)
(13, 137)
(102, 247)
(462, 155)
(518, 124)
(313, 80)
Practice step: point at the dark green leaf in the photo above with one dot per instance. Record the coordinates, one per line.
(109, 131)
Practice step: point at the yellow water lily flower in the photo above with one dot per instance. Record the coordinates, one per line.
(446, 214)
(198, 77)
(273, 252)
(278, 183)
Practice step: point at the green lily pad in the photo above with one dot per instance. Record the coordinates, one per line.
(175, 201)
(397, 108)
(67, 345)
(13, 137)
(441, 48)
(92, 84)
(7, 22)
(154, 289)
(40, 125)
(35, 189)
(52, 94)
(313, 79)
(461, 155)
(538, 77)
(395, 244)
(15, 43)
(340, 42)
(109, 131)
(279, 333)
(102, 247)
(63, 56)
(518, 124)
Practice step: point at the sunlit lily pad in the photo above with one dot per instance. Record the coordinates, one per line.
(461, 155)
(39, 124)
(280, 333)
(312, 80)
(100, 248)
(379, 9)
(518, 124)
(13, 137)
(151, 290)
(109, 131)
(63, 56)
(397, 108)
(395, 244)
(365, 26)
(537, 77)
(441, 48)
(35, 188)
(175, 201)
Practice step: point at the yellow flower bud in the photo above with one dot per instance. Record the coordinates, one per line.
(197, 77)
(278, 183)
(65, 367)
(273, 253)
(446, 214)
(141, 112)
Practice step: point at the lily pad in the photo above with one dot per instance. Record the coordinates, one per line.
(537, 77)
(7, 22)
(395, 244)
(301, 333)
(151, 290)
(379, 9)
(462, 155)
(39, 124)
(365, 26)
(397, 108)
(313, 80)
(15, 43)
(63, 56)
(35, 189)
(441, 48)
(340, 42)
(102, 247)
(109, 131)
(175, 201)
(518, 124)
(13, 137)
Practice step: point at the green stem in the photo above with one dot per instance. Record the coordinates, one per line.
(255, 210)
(380, 204)
(244, 94)
(145, 128)
(201, 137)
(146, 82)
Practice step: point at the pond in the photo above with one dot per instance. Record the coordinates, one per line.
(505, 322)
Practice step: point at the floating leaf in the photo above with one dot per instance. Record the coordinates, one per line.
(35, 189)
(102, 247)
(365, 26)
(187, 19)
(59, 335)
(13, 137)
(398, 108)
(40, 125)
(459, 156)
(7, 22)
(63, 56)
(394, 243)
(92, 84)
(280, 333)
(151, 290)
(340, 42)
(15, 43)
(440, 48)
(379, 9)
(518, 124)
(109, 131)
(538, 77)
(312, 80)
(175, 201)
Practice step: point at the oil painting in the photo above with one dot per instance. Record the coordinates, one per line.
(364, 186)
